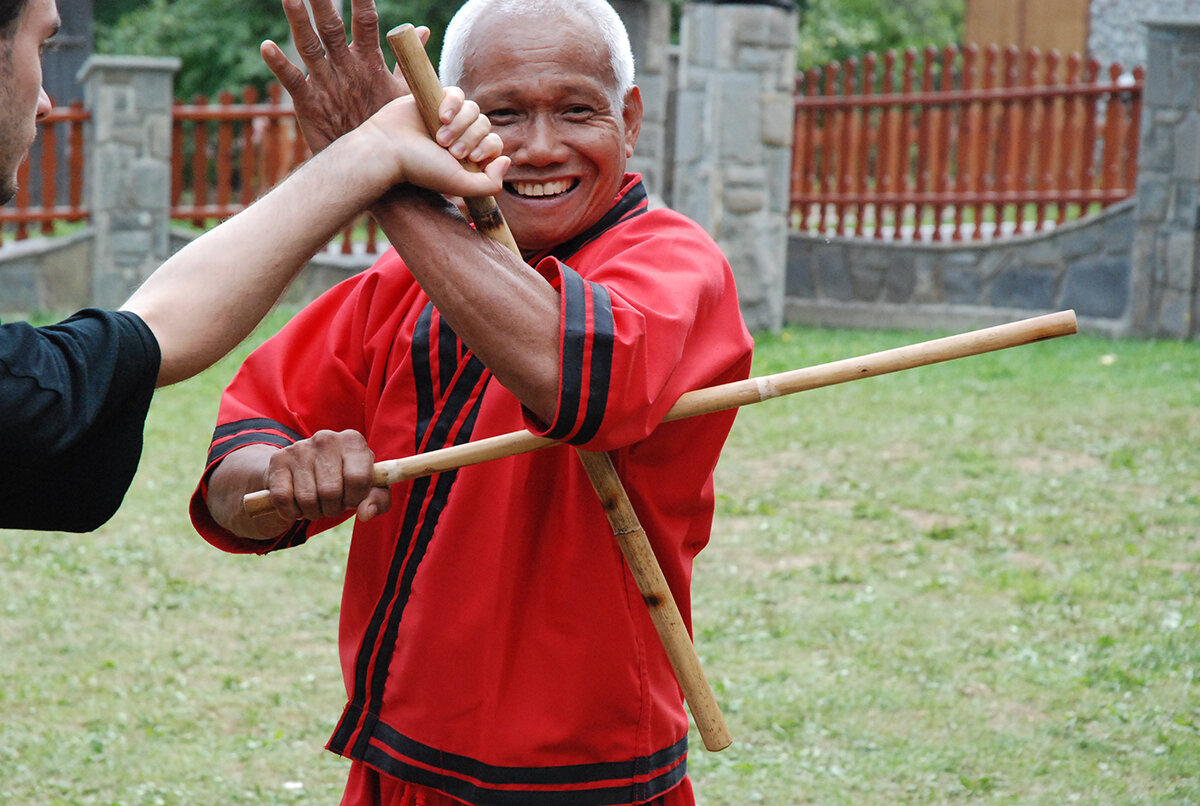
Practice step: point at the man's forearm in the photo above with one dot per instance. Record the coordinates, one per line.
(208, 297)
(503, 310)
(239, 473)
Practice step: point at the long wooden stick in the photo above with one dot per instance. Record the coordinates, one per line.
(635, 546)
(733, 395)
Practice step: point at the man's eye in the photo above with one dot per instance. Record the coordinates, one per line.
(578, 112)
(50, 46)
(500, 117)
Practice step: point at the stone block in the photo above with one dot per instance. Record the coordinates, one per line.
(778, 117)
(961, 286)
(1187, 148)
(19, 287)
(867, 272)
(752, 26)
(799, 280)
(1024, 287)
(700, 35)
(1081, 241)
(1153, 194)
(690, 129)
(1175, 315)
(1156, 149)
(1117, 234)
(1181, 260)
(738, 120)
(1099, 287)
(744, 200)
(131, 243)
(833, 276)
(901, 278)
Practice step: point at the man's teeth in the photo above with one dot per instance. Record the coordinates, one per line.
(541, 188)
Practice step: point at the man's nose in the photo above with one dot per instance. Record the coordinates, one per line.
(541, 144)
(43, 104)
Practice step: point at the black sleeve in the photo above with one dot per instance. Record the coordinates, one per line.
(73, 403)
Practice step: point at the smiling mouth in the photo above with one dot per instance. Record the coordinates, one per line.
(541, 190)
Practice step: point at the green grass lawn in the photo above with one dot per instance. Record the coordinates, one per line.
(968, 582)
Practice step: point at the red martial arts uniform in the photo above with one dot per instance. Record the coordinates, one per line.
(493, 643)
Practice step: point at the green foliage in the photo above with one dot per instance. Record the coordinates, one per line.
(834, 30)
(219, 49)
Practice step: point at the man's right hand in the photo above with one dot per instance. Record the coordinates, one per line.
(319, 477)
(398, 131)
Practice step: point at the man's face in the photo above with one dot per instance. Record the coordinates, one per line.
(22, 99)
(547, 87)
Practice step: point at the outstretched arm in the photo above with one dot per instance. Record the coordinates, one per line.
(206, 298)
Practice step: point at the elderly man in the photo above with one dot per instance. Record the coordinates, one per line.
(74, 396)
(494, 646)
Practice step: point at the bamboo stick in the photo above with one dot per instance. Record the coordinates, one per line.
(735, 394)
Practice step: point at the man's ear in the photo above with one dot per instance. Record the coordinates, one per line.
(632, 114)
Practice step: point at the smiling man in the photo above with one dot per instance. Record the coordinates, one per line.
(494, 646)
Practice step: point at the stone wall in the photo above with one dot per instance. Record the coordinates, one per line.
(46, 275)
(1115, 33)
(733, 141)
(1167, 246)
(1084, 265)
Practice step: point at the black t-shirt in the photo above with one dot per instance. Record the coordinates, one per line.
(73, 403)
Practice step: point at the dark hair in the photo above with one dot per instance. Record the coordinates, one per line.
(9, 11)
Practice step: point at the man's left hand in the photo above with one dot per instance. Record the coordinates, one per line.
(347, 82)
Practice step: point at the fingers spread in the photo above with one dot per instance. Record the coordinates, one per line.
(290, 77)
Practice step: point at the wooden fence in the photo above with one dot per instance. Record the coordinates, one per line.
(224, 156)
(60, 135)
(970, 144)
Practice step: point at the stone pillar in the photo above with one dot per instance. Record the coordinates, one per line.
(649, 25)
(1166, 247)
(128, 173)
(733, 141)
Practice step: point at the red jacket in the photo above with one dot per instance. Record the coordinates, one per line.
(493, 643)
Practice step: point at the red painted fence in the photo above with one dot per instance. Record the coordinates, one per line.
(965, 145)
(225, 155)
(976, 143)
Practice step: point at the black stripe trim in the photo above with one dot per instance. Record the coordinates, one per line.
(479, 792)
(633, 203)
(561, 775)
(254, 424)
(603, 330)
(423, 372)
(256, 431)
(574, 345)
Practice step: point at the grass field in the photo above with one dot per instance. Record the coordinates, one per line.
(969, 582)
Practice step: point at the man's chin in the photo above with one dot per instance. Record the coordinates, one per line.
(8, 189)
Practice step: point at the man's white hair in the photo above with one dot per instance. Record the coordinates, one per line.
(599, 12)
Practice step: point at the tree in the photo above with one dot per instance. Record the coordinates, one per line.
(218, 46)
(834, 30)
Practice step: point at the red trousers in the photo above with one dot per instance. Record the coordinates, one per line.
(368, 787)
